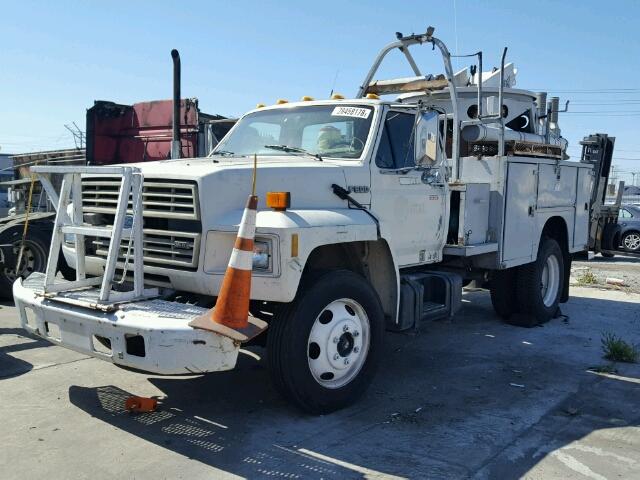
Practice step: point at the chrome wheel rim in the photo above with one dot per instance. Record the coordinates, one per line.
(632, 241)
(338, 343)
(550, 281)
(31, 261)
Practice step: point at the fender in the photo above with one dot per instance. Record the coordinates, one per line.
(294, 234)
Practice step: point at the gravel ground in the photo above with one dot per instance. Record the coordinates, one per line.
(624, 268)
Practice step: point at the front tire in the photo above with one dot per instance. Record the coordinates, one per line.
(324, 348)
(540, 285)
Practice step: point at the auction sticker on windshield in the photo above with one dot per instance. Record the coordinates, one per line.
(351, 112)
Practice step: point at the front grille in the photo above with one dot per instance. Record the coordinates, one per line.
(171, 237)
(161, 248)
(161, 199)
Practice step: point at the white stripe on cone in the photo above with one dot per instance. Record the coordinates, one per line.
(241, 260)
(248, 224)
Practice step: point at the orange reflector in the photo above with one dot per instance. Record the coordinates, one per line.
(280, 101)
(372, 96)
(260, 105)
(279, 201)
(294, 245)
(337, 96)
(306, 98)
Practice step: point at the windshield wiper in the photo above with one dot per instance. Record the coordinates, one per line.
(288, 149)
(225, 153)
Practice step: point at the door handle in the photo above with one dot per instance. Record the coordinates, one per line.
(531, 210)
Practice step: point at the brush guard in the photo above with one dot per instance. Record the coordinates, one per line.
(97, 316)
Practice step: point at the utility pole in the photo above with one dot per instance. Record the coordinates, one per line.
(633, 176)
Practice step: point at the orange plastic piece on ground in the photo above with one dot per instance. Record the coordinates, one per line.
(141, 404)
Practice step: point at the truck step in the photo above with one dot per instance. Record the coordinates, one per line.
(427, 296)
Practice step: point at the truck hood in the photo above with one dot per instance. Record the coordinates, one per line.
(223, 187)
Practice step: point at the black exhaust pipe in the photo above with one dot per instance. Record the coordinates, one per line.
(176, 147)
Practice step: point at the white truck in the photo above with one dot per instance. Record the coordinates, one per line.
(394, 203)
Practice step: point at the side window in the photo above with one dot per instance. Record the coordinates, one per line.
(625, 213)
(396, 145)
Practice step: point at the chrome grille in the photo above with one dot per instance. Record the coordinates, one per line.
(164, 203)
(160, 199)
(160, 247)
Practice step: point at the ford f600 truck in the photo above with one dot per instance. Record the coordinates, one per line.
(396, 197)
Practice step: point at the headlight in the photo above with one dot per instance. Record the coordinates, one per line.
(261, 254)
(70, 237)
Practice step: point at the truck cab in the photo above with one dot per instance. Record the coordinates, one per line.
(393, 199)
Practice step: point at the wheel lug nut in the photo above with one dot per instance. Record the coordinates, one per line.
(346, 361)
(345, 328)
(336, 339)
(356, 349)
(336, 356)
(356, 333)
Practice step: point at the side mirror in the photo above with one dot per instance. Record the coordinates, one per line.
(426, 135)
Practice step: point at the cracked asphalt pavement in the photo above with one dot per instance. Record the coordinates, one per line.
(467, 398)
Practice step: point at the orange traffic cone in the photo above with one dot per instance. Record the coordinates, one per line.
(230, 316)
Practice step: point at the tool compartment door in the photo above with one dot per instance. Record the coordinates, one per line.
(556, 186)
(583, 195)
(519, 211)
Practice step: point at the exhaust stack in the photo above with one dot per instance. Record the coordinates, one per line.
(176, 147)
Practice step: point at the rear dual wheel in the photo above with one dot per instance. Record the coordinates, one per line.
(529, 295)
(323, 349)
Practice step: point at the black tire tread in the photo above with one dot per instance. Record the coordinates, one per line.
(282, 362)
(532, 310)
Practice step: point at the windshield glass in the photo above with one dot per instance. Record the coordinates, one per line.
(326, 130)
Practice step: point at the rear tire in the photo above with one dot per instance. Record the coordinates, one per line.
(323, 349)
(502, 287)
(540, 285)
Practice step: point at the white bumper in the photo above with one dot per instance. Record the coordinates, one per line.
(152, 336)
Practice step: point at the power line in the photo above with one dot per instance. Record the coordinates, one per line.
(600, 90)
(619, 102)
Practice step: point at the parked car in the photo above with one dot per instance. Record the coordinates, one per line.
(629, 220)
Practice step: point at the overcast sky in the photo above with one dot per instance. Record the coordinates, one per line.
(58, 57)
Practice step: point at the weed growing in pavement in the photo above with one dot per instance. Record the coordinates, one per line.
(618, 350)
(587, 278)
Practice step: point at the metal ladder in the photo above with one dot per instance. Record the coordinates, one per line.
(71, 193)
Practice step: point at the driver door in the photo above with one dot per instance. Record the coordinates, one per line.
(409, 203)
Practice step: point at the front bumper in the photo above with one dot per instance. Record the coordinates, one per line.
(152, 335)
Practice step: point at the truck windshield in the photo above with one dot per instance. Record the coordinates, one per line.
(331, 131)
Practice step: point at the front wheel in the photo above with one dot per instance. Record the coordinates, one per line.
(323, 349)
(540, 285)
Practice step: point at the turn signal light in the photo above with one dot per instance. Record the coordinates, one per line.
(279, 201)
